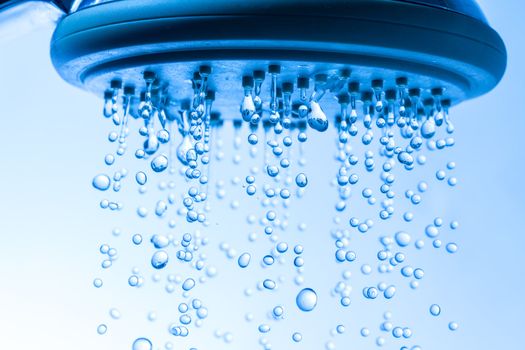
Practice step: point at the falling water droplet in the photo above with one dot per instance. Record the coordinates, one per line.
(306, 299)
(159, 260)
(402, 238)
(428, 129)
(142, 344)
(317, 118)
(102, 329)
(244, 260)
(159, 163)
(183, 149)
(247, 108)
(188, 284)
(301, 180)
(101, 182)
(435, 310)
(141, 178)
(297, 337)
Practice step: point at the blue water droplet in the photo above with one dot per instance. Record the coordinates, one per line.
(435, 310)
(389, 292)
(452, 248)
(137, 239)
(244, 260)
(141, 178)
(97, 282)
(297, 337)
(264, 328)
(301, 180)
(269, 284)
(277, 311)
(159, 259)
(101, 182)
(102, 329)
(159, 163)
(402, 239)
(188, 284)
(306, 300)
(142, 344)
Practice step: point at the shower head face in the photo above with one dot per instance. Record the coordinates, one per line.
(371, 40)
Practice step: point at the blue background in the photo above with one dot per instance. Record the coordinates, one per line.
(51, 226)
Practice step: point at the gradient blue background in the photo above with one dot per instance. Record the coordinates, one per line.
(50, 225)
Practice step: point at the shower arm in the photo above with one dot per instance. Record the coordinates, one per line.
(18, 17)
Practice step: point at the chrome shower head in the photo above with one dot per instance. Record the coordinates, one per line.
(430, 52)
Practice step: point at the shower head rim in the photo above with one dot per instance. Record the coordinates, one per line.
(81, 51)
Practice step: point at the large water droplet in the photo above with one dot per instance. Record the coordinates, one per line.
(317, 118)
(306, 299)
(247, 108)
(142, 344)
(301, 180)
(159, 163)
(151, 145)
(402, 239)
(183, 149)
(428, 129)
(159, 259)
(101, 182)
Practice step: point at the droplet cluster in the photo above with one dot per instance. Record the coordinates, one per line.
(383, 131)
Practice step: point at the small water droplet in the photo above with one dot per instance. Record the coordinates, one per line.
(435, 310)
(141, 178)
(244, 260)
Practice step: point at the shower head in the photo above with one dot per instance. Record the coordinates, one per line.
(432, 49)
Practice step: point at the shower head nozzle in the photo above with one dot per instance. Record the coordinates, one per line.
(419, 44)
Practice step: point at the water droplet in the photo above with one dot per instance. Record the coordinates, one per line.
(115, 314)
(137, 239)
(435, 310)
(252, 139)
(141, 178)
(188, 284)
(97, 282)
(183, 149)
(306, 300)
(317, 118)
(301, 180)
(297, 337)
(159, 259)
(453, 326)
(159, 163)
(269, 284)
(244, 260)
(264, 328)
(277, 311)
(142, 344)
(402, 239)
(365, 332)
(390, 292)
(101, 182)
(428, 129)
(452, 248)
(102, 329)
